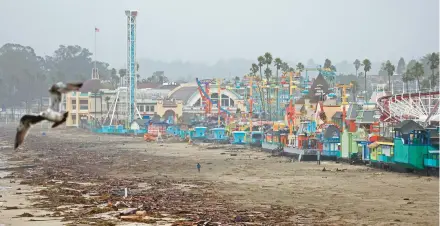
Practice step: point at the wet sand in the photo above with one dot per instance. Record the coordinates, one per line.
(234, 187)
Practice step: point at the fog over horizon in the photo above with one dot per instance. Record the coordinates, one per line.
(204, 32)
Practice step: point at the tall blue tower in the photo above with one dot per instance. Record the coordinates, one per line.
(131, 64)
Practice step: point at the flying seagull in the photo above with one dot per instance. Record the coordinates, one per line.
(52, 114)
(58, 89)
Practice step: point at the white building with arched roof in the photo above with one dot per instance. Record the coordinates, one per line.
(192, 100)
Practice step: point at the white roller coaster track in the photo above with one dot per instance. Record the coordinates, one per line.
(420, 107)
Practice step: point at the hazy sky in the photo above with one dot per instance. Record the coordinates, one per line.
(207, 30)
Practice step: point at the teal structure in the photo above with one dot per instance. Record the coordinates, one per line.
(331, 139)
(119, 129)
(199, 133)
(183, 134)
(191, 133)
(410, 149)
(239, 137)
(431, 159)
(256, 138)
(173, 130)
(219, 134)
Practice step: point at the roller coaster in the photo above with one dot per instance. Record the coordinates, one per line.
(421, 107)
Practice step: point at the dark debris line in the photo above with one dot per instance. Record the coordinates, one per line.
(65, 163)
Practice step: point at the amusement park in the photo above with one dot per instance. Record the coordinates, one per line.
(281, 143)
(289, 114)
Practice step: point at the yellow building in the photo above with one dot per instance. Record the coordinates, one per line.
(95, 100)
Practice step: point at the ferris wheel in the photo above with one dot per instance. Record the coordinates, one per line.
(420, 107)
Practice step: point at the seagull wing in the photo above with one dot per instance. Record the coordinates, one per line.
(55, 99)
(72, 87)
(23, 128)
(66, 87)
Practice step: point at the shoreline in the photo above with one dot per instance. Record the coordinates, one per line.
(16, 206)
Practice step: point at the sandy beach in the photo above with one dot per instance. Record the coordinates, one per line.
(71, 176)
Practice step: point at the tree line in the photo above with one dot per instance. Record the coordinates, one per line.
(425, 71)
(26, 76)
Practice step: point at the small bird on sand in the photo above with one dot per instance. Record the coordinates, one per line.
(52, 114)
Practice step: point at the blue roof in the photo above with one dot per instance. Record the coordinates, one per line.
(218, 129)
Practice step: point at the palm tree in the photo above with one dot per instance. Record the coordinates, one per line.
(254, 69)
(433, 61)
(122, 73)
(284, 67)
(261, 62)
(300, 67)
(389, 68)
(268, 59)
(277, 63)
(357, 65)
(418, 72)
(367, 67)
(268, 74)
(291, 69)
(407, 77)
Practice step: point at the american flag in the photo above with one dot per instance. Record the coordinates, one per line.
(96, 29)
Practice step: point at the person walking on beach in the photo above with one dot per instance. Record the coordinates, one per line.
(198, 167)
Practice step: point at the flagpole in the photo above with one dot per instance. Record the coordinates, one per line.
(94, 70)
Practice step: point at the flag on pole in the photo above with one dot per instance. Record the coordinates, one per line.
(96, 29)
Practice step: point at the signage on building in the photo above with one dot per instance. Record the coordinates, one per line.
(319, 92)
